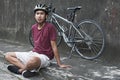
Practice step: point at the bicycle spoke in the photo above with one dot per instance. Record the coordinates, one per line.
(95, 48)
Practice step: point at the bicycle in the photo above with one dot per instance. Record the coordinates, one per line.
(86, 38)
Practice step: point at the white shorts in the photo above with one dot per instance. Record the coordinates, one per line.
(24, 57)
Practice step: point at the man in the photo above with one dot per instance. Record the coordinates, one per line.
(45, 49)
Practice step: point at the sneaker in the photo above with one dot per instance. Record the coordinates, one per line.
(13, 69)
(28, 73)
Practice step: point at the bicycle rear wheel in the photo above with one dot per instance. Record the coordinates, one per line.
(93, 41)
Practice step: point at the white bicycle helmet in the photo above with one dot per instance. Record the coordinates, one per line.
(41, 7)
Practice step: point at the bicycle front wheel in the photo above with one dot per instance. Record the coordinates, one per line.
(93, 40)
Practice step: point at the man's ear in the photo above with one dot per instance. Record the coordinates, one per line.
(46, 16)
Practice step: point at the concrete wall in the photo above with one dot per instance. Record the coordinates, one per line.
(16, 18)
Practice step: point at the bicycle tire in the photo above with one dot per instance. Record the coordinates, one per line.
(93, 41)
(59, 37)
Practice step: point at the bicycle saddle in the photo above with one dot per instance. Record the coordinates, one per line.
(74, 8)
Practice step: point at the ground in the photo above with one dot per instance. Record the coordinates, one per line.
(82, 69)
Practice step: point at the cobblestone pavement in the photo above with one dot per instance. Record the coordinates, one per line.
(81, 69)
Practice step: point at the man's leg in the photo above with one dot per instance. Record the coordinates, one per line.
(11, 57)
(26, 63)
(33, 63)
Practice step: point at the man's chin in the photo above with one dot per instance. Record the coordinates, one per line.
(39, 22)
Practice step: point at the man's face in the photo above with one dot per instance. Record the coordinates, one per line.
(40, 16)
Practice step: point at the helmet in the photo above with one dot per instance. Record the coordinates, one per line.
(41, 7)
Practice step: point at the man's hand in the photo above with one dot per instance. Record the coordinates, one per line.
(64, 66)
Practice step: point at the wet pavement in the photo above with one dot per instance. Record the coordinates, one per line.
(82, 69)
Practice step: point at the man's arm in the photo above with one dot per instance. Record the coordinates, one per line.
(56, 54)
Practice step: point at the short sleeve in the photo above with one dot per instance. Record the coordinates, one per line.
(53, 33)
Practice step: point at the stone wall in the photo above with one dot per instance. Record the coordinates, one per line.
(16, 18)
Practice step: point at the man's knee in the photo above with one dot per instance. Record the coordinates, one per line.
(34, 61)
(8, 55)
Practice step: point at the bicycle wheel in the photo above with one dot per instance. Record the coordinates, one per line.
(30, 38)
(93, 40)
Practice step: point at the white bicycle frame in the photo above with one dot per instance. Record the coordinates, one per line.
(54, 16)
